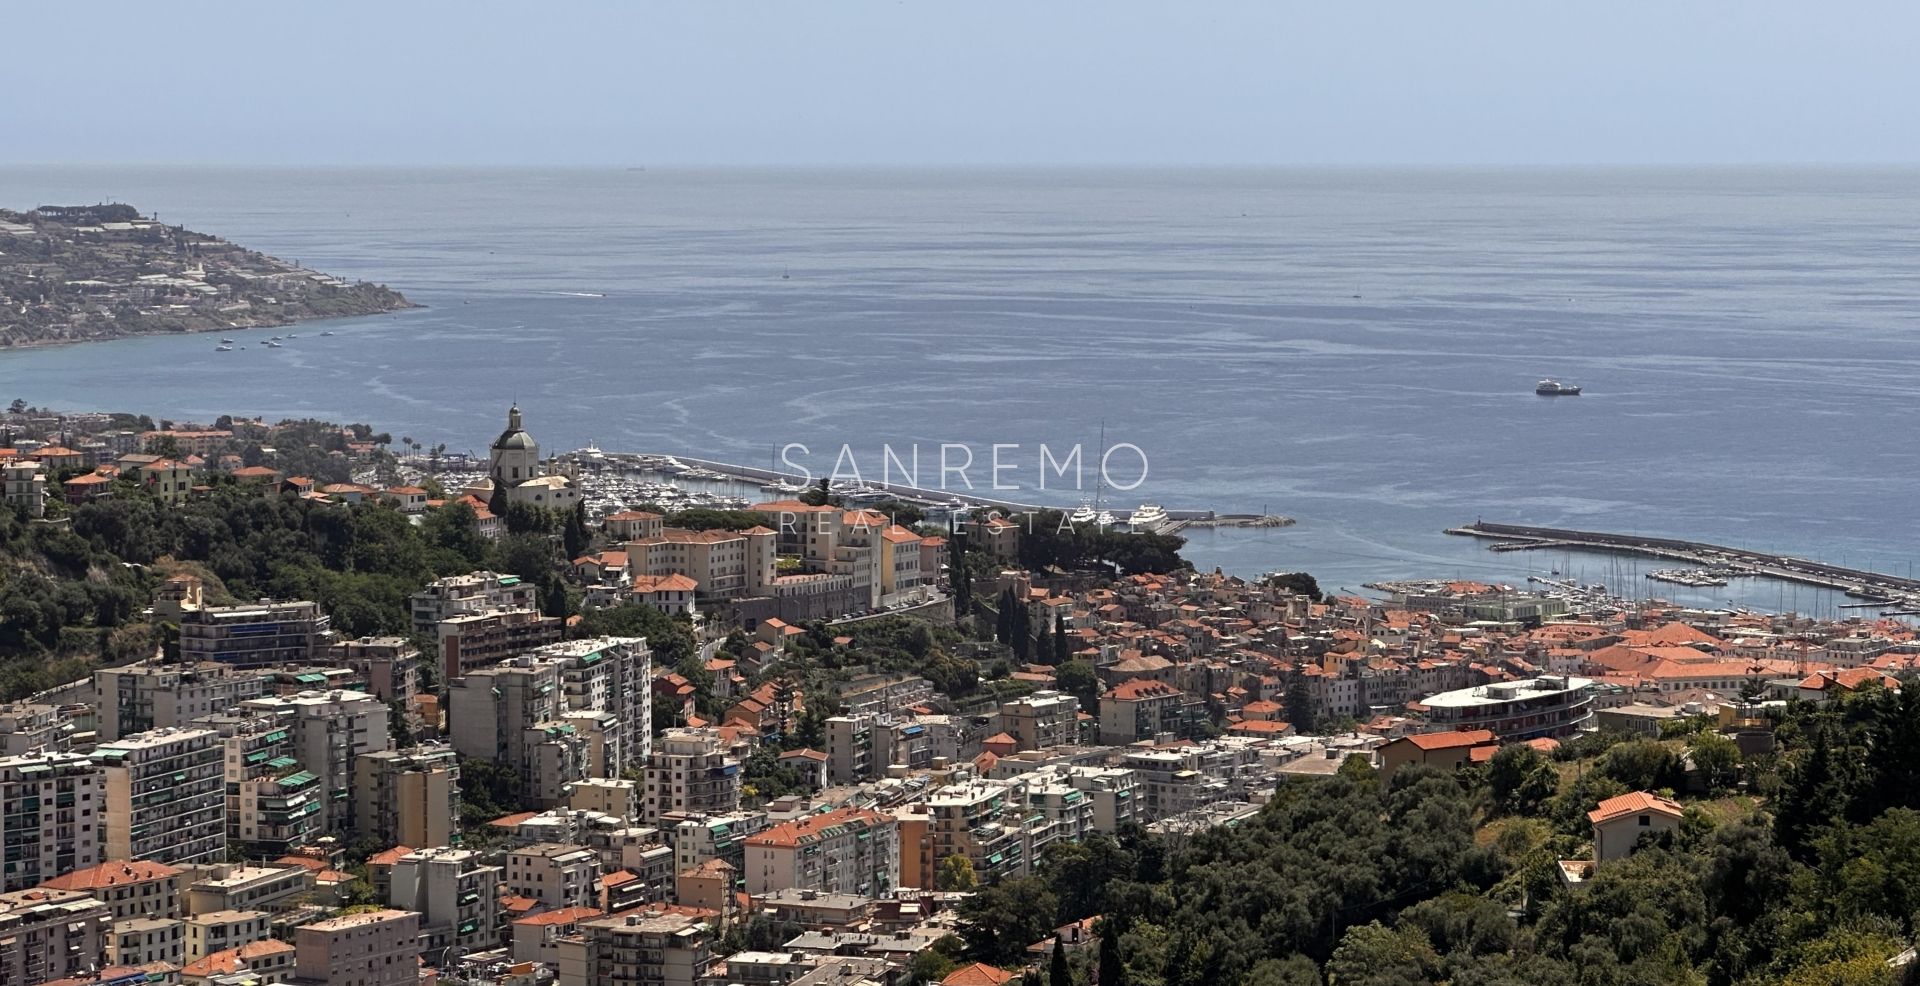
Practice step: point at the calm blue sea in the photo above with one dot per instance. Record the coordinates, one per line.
(1356, 349)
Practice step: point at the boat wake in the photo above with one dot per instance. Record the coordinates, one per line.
(576, 294)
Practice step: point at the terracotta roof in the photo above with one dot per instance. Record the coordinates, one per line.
(565, 915)
(1450, 740)
(644, 584)
(1633, 803)
(1135, 689)
(233, 959)
(389, 857)
(111, 874)
(977, 974)
(802, 831)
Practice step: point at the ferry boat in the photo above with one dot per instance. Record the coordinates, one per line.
(1554, 388)
(1150, 518)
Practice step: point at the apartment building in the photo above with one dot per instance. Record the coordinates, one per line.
(690, 771)
(23, 482)
(408, 797)
(217, 931)
(478, 640)
(165, 796)
(558, 875)
(698, 838)
(273, 804)
(129, 890)
(612, 675)
(723, 564)
(457, 897)
(1042, 719)
(1139, 709)
(141, 697)
(372, 948)
(147, 941)
(48, 934)
(1547, 706)
(249, 888)
(27, 727)
(466, 595)
(246, 636)
(617, 797)
(649, 948)
(52, 810)
(849, 850)
(390, 666)
(330, 731)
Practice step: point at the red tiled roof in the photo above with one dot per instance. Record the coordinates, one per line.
(1450, 740)
(801, 831)
(111, 874)
(1633, 803)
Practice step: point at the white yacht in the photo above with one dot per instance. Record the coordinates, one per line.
(1149, 518)
(1084, 515)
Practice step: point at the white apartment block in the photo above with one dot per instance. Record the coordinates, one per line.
(846, 851)
(52, 810)
(690, 771)
(165, 796)
(142, 697)
(330, 731)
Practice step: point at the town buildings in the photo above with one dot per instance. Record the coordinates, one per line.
(408, 797)
(165, 796)
(371, 948)
(52, 811)
(849, 850)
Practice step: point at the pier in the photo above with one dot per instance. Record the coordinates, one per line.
(1878, 588)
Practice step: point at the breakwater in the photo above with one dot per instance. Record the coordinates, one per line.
(1877, 587)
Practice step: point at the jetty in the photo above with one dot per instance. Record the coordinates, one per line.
(1721, 561)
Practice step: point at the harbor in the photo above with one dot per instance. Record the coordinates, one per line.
(618, 480)
(1707, 564)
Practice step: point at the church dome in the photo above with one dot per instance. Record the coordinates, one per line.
(515, 437)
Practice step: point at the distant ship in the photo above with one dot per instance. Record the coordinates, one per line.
(1149, 518)
(223, 349)
(1084, 515)
(1554, 388)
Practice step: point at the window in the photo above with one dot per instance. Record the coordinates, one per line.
(1646, 821)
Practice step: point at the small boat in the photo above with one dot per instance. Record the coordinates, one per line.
(293, 335)
(226, 342)
(1554, 388)
(272, 345)
(326, 333)
(223, 349)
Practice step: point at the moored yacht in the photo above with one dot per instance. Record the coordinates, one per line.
(1149, 518)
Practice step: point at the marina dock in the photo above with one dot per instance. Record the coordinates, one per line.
(1723, 561)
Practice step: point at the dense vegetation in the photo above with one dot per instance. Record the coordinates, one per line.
(71, 595)
(1453, 877)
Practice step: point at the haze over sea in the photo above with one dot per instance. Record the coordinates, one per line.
(1356, 349)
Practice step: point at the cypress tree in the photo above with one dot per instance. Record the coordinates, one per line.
(1061, 647)
(1112, 972)
(1057, 972)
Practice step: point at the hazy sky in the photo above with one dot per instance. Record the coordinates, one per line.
(961, 82)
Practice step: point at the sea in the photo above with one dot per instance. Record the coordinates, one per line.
(1356, 349)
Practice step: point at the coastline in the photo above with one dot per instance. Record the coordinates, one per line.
(36, 344)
